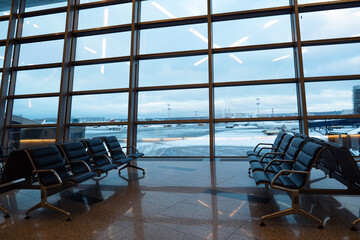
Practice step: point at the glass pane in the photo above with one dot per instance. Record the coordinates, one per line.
(321, 101)
(35, 111)
(35, 5)
(2, 56)
(331, 60)
(173, 71)
(105, 16)
(243, 32)
(103, 46)
(38, 81)
(4, 29)
(32, 137)
(100, 108)
(330, 24)
(5, 7)
(88, 132)
(235, 138)
(174, 104)
(314, 1)
(46, 24)
(276, 100)
(174, 140)
(38, 53)
(165, 9)
(220, 6)
(179, 38)
(104, 76)
(342, 131)
(254, 65)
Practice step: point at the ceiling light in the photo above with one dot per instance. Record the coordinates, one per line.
(236, 58)
(270, 23)
(240, 41)
(163, 10)
(280, 58)
(90, 50)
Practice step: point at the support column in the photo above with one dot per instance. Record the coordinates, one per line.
(299, 69)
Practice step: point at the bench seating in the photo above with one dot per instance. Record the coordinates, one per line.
(284, 161)
(76, 154)
(278, 153)
(292, 180)
(258, 150)
(51, 172)
(117, 153)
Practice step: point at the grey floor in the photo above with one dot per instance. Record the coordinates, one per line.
(178, 200)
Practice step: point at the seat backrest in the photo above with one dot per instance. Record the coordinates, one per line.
(114, 147)
(278, 139)
(48, 157)
(285, 143)
(76, 151)
(17, 166)
(327, 157)
(294, 148)
(304, 162)
(97, 151)
(349, 168)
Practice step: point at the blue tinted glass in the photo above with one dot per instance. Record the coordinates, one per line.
(331, 60)
(173, 71)
(314, 1)
(100, 108)
(330, 24)
(219, 6)
(103, 46)
(2, 56)
(174, 140)
(252, 31)
(21, 138)
(4, 29)
(38, 81)
(40, 25)
(104, 76)
(276, 100)
(105, 16)
(88, 132)
(254, 65)
(168, 9)
(179, 38)
(35, 110)
(174, 104)
(235, 138)
(38, 52)
(5, 8)
(320, 98)
(35, 5)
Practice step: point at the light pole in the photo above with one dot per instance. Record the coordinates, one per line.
(258, 105)
(169, 110)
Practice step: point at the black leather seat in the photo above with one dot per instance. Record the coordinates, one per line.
(50, 169)
(292, 180)
(258, 150)
(117, 153)
(283, 162)
(76, 154)
(277, 153)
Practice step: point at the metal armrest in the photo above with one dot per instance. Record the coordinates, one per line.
(287, 172)
(102, 155)
(271, 148)
(259, 144)
(137, 151)
(277, 160)
(51, 171)
(270, 153)
(83, 162)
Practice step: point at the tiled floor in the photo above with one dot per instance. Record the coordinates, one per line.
(178, 200)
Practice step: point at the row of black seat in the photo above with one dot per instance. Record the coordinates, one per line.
(286, 165)
(58, 167)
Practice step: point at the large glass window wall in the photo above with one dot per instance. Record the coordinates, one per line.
(156, 84)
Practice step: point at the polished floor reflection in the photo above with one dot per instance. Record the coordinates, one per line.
(178, 200)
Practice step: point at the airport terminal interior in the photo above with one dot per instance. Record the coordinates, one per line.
(188, 88)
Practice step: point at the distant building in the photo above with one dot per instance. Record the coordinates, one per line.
(356, 99)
